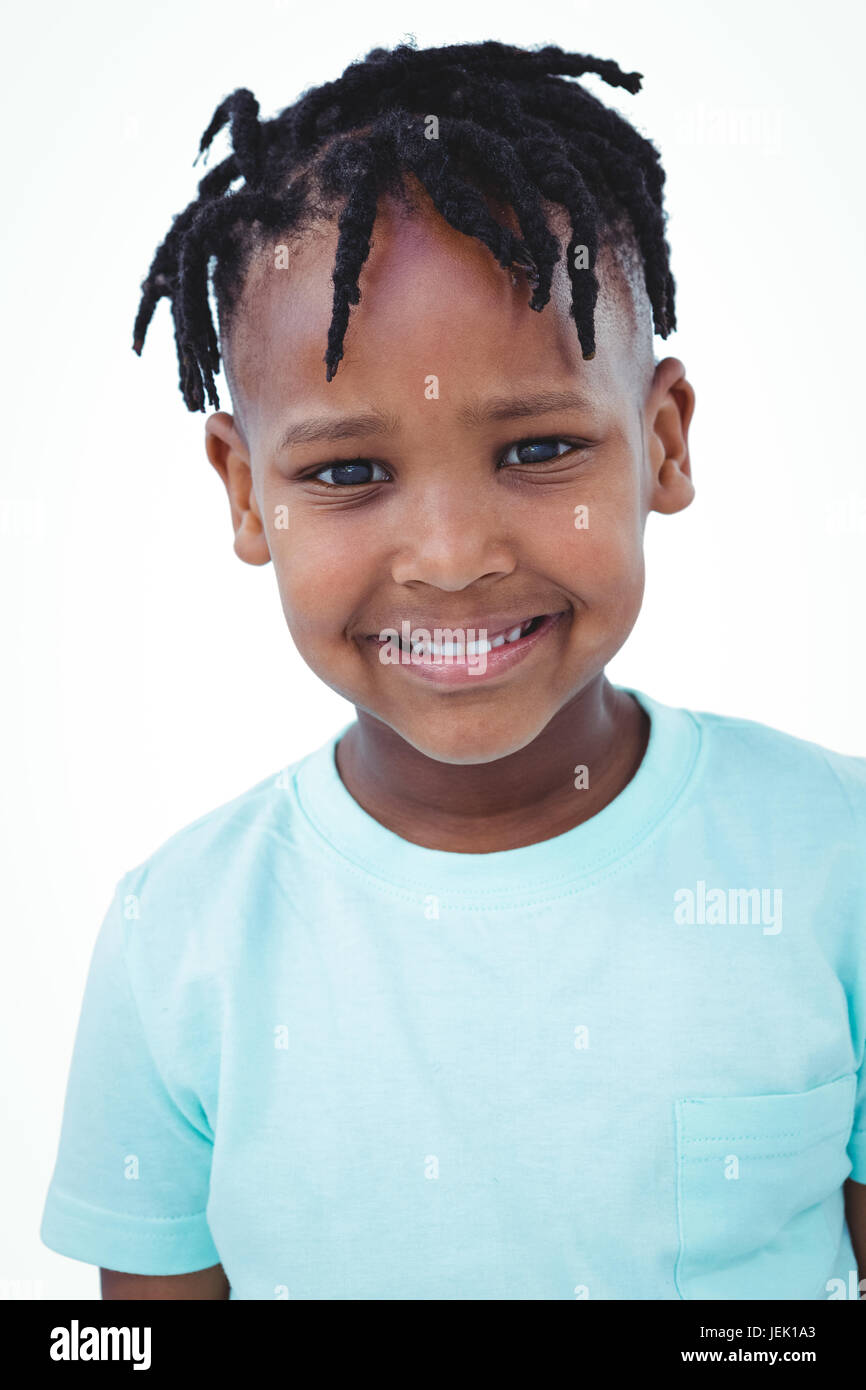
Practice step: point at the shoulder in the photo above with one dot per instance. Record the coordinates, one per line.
(205, 876)
(215, 839)
(775, 769)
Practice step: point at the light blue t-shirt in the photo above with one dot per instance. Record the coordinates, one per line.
(623, 1063)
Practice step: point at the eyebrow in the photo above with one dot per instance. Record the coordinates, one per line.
(330, 429)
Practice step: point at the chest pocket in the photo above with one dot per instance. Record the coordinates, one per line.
(759, 1198)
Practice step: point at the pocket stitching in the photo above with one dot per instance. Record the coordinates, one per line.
(811, 1135)
(810, 1138)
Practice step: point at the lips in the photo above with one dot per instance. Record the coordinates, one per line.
(425, 655)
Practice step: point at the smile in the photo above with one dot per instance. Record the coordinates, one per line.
(434, 654)
(427, 644)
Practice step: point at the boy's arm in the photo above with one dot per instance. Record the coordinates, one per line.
(201, 1284)
(855, 1215)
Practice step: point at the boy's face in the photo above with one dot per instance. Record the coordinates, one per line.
(472, 502)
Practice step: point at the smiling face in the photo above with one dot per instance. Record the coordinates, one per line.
(465, 469)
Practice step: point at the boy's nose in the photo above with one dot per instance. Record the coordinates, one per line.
(453, 543)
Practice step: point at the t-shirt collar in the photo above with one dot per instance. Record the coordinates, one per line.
(550, 868)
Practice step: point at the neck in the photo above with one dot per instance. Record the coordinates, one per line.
(516, 800)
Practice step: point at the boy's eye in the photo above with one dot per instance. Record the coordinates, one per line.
(532, 446)
(360, 471)
(350, 473)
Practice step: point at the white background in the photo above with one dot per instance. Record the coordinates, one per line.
(149, 676)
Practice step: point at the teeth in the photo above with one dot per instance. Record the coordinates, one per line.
(479, 648)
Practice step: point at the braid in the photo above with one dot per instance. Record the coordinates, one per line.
(510, 123)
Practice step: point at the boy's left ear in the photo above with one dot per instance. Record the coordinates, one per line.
(230, 457)
(670, 407)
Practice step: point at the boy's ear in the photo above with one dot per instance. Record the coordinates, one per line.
(230, 457)
(670, 407)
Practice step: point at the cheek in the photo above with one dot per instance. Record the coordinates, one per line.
(595, 547)
(314, 580)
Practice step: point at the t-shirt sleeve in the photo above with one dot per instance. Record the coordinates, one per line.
(857, 1142)
(131, 1178)
(852, 773)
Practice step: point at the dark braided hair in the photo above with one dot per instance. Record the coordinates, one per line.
(509, 127)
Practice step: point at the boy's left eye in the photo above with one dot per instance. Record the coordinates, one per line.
(549, 445)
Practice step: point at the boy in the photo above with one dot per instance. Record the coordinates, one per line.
(523, 986)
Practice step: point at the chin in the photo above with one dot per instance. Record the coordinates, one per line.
(463, 737)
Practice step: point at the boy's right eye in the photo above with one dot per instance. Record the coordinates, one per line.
(351, 473)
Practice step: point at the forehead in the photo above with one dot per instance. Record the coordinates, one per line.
(434, 301)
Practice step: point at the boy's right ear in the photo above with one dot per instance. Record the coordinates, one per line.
(230, 457)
